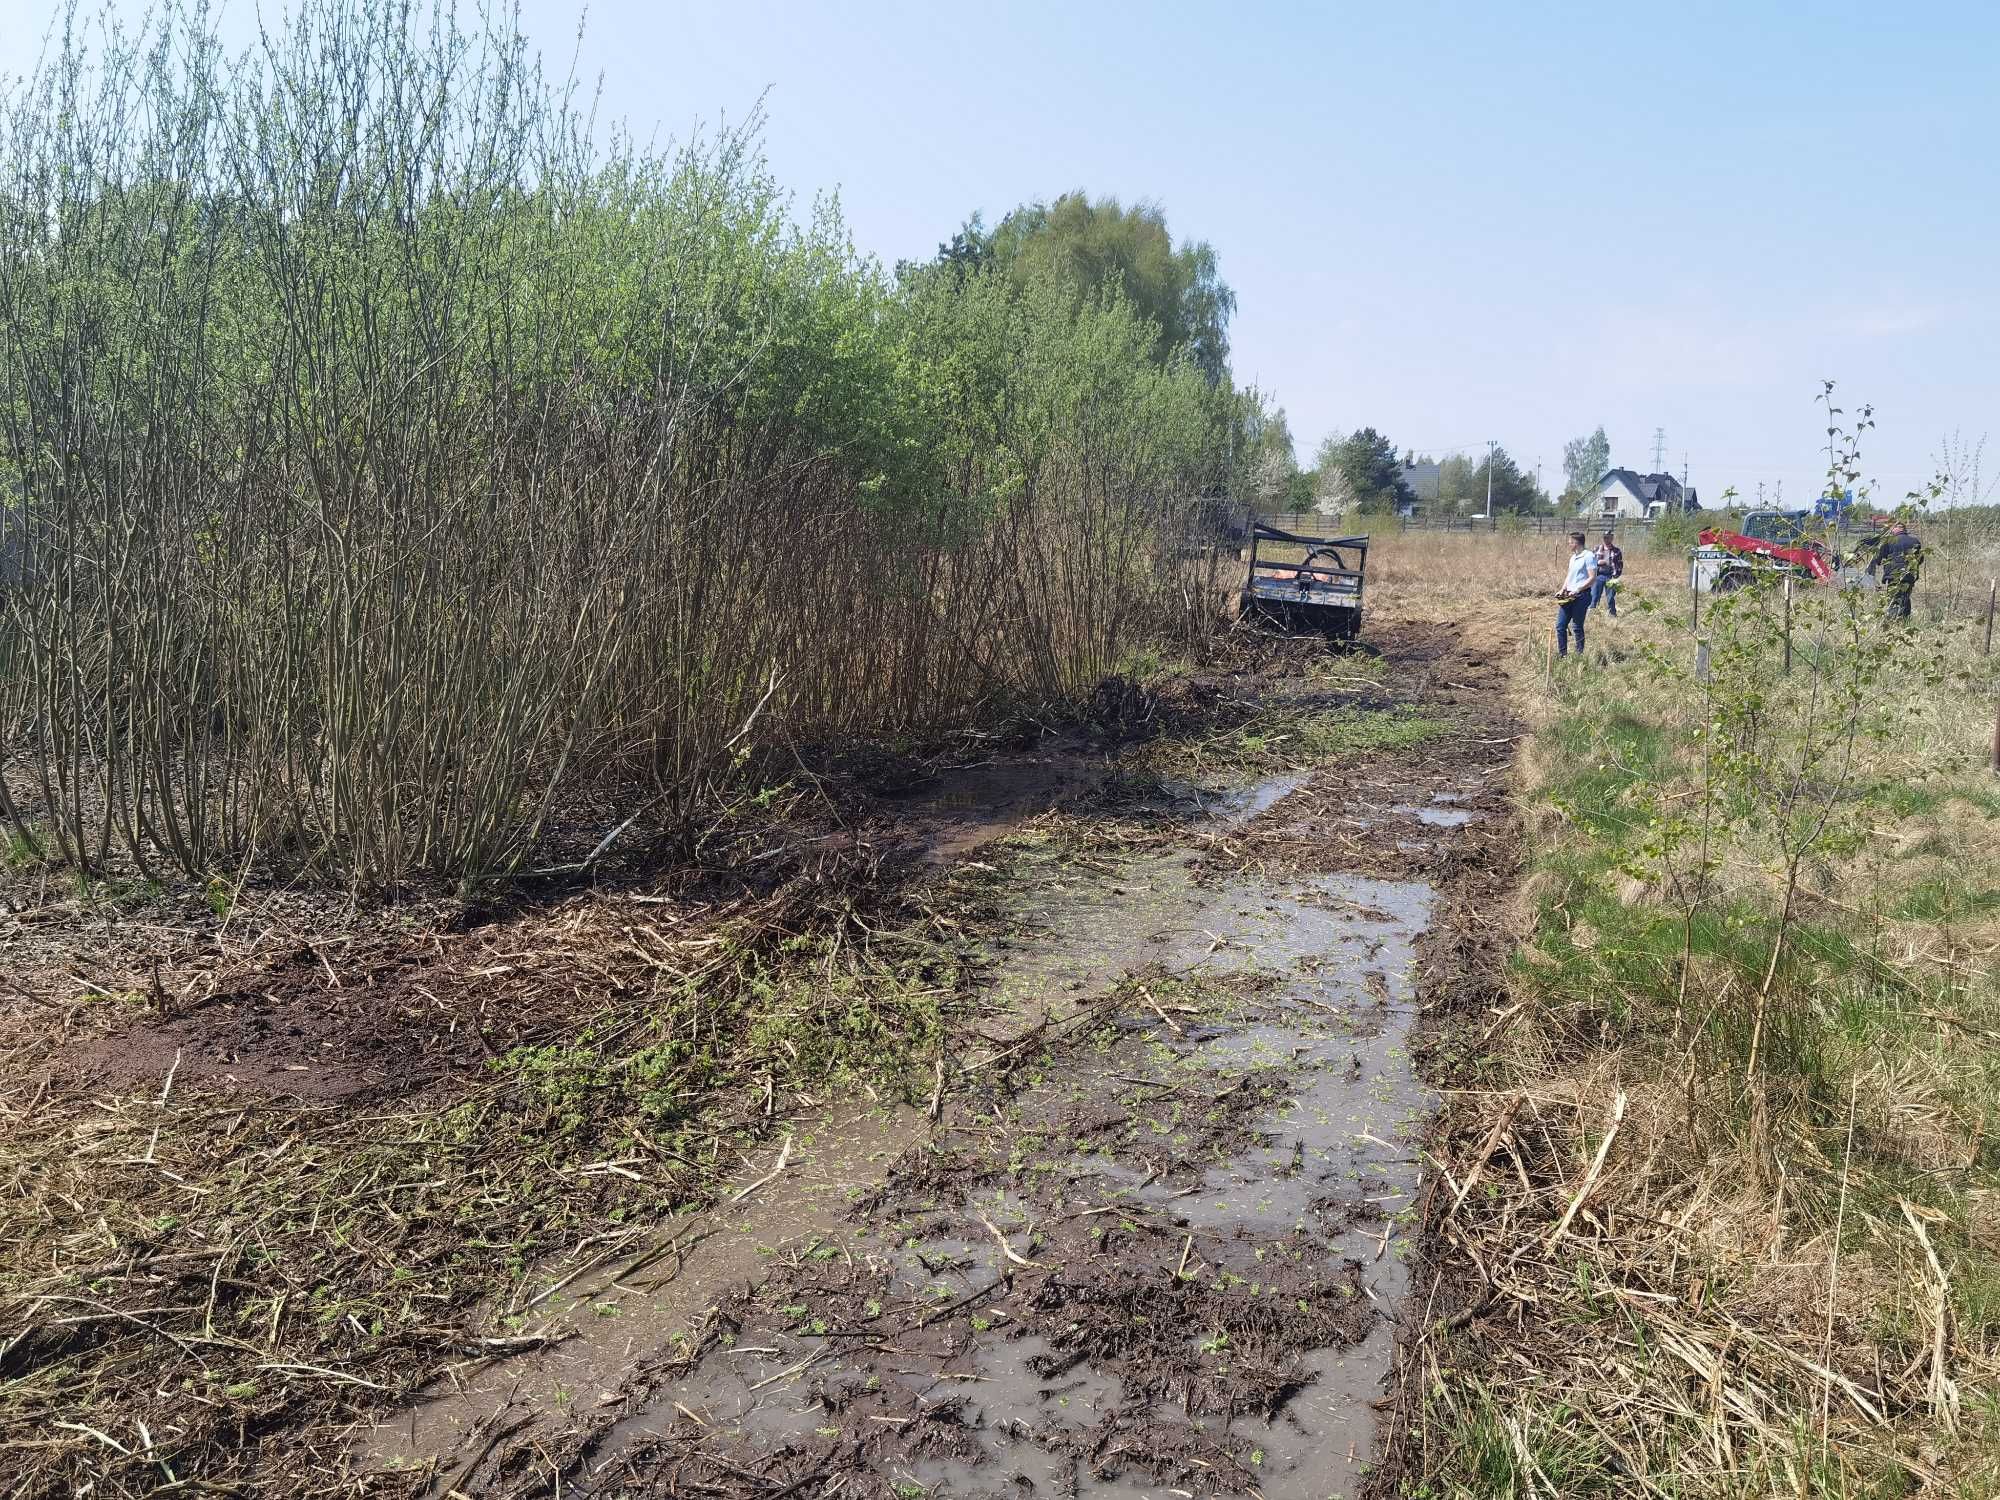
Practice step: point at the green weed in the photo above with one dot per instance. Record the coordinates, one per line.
(19, 849)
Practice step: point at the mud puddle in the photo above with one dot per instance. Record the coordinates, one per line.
(1439, 817)
(1159, 1258)
(604, 1315)
(1154, 1249)
(570, 1340)
(959, 809)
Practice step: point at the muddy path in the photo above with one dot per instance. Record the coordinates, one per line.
(1157, 1229)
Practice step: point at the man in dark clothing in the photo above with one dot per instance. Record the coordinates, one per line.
(1897, 561)
(1610, 568)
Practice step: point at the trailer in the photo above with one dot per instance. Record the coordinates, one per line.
(1306, 584)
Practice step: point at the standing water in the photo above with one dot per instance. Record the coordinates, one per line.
(1153, 1249)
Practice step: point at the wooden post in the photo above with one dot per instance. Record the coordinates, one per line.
(1788, 625)
(1992, 592)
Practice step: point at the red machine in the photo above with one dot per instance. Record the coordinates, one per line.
(1797, 555)
(1773, 542)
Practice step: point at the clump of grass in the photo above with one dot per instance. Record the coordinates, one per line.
(1347, 731)
(19, 849)
(1290, 737)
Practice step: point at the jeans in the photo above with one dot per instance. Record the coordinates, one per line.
(1899, 600)
(1570, 614)
(1601, 592)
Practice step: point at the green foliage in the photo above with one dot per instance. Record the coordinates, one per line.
(1500, 1453)
(1756, 905)
(1946, 900)
(1369, 471)
(1098, 247)
(1350, 731)
(18, 848)
(1327, 734)
(1512, 490)
(1264, 467)
(1673, 531)
(810, 1012)
(827, 1019)
(391, 457)
(1585, 462)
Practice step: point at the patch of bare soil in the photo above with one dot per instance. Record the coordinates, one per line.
(369, 1015)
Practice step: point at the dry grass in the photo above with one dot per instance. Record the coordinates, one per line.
(1434, 574)
(1689, 1279)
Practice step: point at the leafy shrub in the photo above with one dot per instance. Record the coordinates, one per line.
(426, 469)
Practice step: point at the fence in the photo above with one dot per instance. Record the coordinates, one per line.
(1230, 517)
(1593, 525)
(1313, 523)
(1540, 525)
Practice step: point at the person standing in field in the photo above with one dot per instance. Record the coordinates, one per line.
(1573, 603)
(1610, 568)
(1897, 560)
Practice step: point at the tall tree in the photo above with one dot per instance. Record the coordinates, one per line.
(1275, 462)
(1332, 494)
(1584, 461)
(1460, 484)
(969, 250)
(1264, 459)
(1513, 491)
(1371, 468)
(1095, 242)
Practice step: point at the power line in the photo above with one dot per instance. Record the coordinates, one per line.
(1659, 448)
(1442, 447)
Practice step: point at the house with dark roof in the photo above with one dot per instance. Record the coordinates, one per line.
(1422, 480)
(1625, 495)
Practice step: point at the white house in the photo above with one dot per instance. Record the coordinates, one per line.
(1623, 495)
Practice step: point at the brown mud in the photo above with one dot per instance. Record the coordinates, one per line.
(1156, 1230)
(1164, 1241)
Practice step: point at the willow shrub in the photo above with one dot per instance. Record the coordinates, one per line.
(389, 468)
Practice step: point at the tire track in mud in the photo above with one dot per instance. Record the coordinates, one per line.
(1160, 1243)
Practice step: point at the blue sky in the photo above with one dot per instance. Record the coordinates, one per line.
(1450, 222)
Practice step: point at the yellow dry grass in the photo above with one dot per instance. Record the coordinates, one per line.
(1499, 579)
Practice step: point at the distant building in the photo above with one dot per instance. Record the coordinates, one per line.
(1423, 481)
(1624, 495)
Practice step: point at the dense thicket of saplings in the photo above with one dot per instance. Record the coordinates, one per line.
(388, 465)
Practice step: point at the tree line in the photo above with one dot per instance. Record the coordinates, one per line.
(1363, 473)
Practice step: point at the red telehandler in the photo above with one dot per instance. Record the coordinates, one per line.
(1771, 541)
